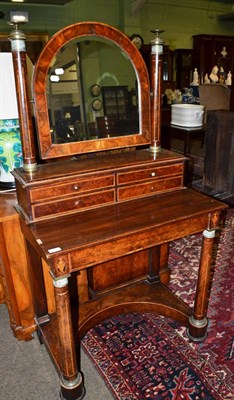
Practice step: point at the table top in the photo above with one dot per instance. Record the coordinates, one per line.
(110, 223)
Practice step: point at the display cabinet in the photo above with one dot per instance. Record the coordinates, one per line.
(116, 102)
(210, 50)
(168, 81)
(184, 67)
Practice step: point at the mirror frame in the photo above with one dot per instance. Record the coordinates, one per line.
(52, 150)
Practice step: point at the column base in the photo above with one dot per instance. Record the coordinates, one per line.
(155, 149)
(197, 330)
(70, 392)
(196, 339)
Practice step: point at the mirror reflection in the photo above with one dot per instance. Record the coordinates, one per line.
(91, 92)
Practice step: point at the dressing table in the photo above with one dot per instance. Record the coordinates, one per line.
(102, 214)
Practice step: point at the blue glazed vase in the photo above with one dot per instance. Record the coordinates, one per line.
(10, 151)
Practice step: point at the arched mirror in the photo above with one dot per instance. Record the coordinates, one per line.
(91, 90)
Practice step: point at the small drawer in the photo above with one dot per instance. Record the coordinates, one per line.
(144, 189)
(75, 203)
(147, 173)
(73, 186)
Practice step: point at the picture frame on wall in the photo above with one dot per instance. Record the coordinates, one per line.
(95, 90)
(97, 105)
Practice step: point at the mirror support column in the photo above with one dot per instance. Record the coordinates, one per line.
(17, 39)
(156, 84)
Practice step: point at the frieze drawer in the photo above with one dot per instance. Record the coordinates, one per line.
(148, 188)
(74, 186)
(74, 203)
(147, 173)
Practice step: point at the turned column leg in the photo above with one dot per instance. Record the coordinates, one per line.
(71, 380)
(197, 330)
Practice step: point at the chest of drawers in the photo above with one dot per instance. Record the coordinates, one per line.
(78, 185)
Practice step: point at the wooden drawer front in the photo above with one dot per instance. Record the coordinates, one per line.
(147, 173)
(73, 204)
(71, 187)
(148, 188)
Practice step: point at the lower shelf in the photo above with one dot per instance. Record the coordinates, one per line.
(138, 297)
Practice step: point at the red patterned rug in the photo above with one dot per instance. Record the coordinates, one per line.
(146, 356)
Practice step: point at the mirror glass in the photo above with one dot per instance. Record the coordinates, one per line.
(92, 92)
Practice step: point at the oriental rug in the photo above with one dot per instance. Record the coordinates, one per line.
(147, 356)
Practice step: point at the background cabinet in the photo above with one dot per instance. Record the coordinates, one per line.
(219, 153)
(34, 44)
(167, 65)
(208, 51)
(116, 102)
(184, 67)
(15, 288)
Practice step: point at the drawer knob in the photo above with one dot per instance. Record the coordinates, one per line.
(76, 187)
(77, 203)
(153, 174)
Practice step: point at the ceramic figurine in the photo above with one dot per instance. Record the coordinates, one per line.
(195, 81)
(224, 52)
(221, 75)
(206, 79)
(169, 94)
(228, 81)
(214, 74)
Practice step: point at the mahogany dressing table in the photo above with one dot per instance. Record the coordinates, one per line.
(102, 223)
